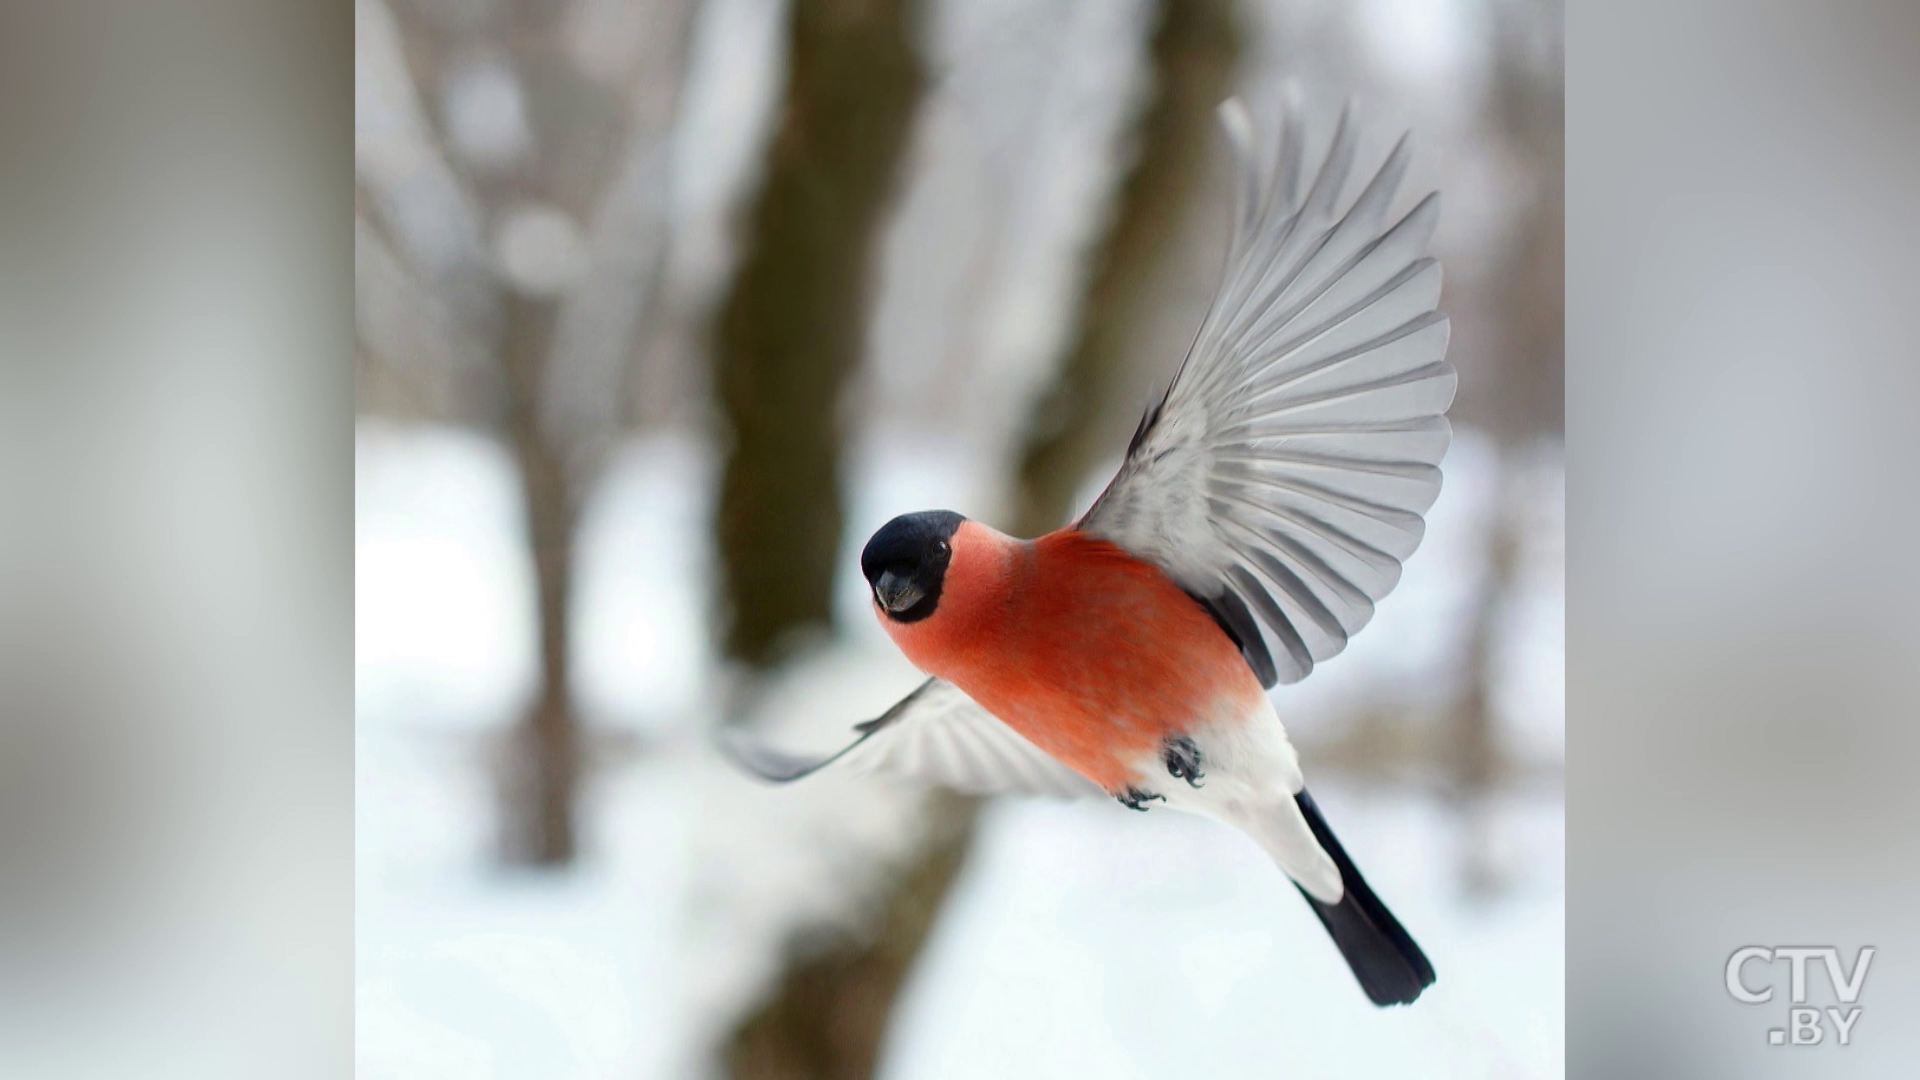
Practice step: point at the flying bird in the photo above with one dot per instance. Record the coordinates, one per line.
(1265, 504)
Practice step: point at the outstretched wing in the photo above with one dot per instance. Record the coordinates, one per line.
(937, 734)
(1282, 478)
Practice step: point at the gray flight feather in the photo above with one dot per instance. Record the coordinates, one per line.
(1287, 468)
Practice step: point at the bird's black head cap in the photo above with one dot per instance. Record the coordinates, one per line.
(906, 563)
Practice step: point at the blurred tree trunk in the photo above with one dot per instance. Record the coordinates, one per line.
(542, 765)
(790, 333)
(601, 144)
(1529, 283)
(1526, 376)
(828, 1016)
(582, 149)
(1193, 54)
(793, 327)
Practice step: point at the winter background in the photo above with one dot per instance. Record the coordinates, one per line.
(554, 197)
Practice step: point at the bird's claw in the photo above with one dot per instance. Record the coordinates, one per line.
(1137, 799)
(1182, 756)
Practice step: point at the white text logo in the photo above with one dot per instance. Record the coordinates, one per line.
(1751, 974)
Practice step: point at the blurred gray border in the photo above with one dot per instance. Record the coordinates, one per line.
(1743, 421)
(176, 529)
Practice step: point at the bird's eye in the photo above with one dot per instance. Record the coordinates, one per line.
(940, 548)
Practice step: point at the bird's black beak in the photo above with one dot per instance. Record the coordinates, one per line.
(895, 592)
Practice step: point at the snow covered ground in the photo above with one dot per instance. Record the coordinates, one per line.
(1081, 939)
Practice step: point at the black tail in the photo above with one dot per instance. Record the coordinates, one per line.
(1390, 967)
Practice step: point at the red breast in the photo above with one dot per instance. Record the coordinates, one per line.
(1092, 654)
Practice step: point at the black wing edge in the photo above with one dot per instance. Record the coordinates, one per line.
(780, 767)
(1231, 615)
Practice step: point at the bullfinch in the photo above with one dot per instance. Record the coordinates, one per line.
(1265, 503)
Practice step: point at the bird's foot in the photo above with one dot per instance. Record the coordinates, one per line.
(1137, 799)
(1182, 756)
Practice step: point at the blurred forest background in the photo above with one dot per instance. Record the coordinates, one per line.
(665, 305)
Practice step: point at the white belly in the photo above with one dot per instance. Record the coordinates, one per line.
(1249, 776)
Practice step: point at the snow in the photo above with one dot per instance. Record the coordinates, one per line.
(643, 622)
(442, 589)
(1088, 939)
